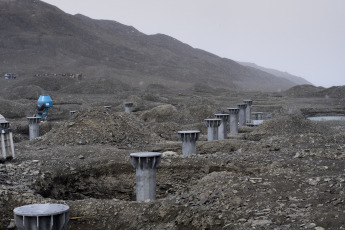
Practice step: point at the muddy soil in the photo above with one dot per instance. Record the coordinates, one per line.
(285, 174)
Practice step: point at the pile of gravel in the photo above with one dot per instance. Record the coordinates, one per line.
(100, 126)
(289, 125)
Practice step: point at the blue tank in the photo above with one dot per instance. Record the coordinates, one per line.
(44, 102)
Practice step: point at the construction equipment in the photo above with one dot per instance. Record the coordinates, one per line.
(44, 103)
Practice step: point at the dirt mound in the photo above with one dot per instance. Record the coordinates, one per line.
(334, 92)
(288, 125)
(160, 113)
(99, 126)
(14, 109)
(303, 91)
(30, 92)
(97, 86)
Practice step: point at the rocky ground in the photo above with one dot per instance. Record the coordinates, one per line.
(285, 174)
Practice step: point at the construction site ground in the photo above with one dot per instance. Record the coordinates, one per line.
(288, 173)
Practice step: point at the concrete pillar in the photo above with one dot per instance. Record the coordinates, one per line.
(248, 110)
(189, 139)
(107, 107)
(34, 128)
(145, 164)
(258, 115)
(242, 114)
(41, 216)
(233, 113)
(212, 128)
(128, 107)
(7, 146)
(222, 129)
(71, 113)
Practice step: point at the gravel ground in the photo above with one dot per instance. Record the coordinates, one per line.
(286, 174)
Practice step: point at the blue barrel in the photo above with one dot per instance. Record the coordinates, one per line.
(46, 100)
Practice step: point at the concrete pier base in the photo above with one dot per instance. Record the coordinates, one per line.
(7, 146)
(223, 127)
(242, 114)
(34, 128)
(41, 217)
(258, 115)
(128, 107)
(248, 110)
(189, 139)
(71, 113)
(145, 164)
(212, 128)
(107, 107)
(233, 113)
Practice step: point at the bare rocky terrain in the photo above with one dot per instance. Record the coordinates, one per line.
(287, 173)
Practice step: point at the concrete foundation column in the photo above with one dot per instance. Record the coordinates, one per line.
(242, 114)
(233, 113)
(189, 139)
(222, 129)
(41, 216)
(145, 164)
(107, 107)
(128, 107)
(7, 146)
(248, 110)
(258, 115)
(34, 128)
(212, 128)
(71, 113)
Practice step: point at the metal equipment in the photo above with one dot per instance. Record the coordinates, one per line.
(44, 103)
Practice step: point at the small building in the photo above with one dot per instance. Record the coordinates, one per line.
(10, 75)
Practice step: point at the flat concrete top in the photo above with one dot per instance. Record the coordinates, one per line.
(41, 209)
(145, 154)
(213, 119)
(247, 100)
(189, 131)
(222, 115)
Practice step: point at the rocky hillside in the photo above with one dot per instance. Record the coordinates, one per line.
(295, 79)
(38, 38)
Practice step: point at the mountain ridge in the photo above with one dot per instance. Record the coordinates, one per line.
(38, 38)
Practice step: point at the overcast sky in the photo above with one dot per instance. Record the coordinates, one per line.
(303, 37)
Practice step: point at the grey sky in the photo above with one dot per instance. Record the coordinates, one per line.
(303, 37)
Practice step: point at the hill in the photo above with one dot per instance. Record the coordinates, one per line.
(38, 38)
(295, 79)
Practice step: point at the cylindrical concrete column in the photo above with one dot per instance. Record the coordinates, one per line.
(34, 128)
(107, 107)
(212, 128)
(189, 139)
(128, 107)
(248, 110)
(71, 113)
(145, 164)
(41, 216)
(258, 115)
(233, 113)
(222, 129)
(242, 114)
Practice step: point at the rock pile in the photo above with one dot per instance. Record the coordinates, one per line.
(100, 126)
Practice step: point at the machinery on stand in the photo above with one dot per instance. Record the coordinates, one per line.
(44, 103)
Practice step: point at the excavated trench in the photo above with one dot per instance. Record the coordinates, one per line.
(113, 181)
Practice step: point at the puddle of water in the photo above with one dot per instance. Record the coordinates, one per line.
(327, 118)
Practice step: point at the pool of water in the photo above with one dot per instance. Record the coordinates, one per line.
(327, 118)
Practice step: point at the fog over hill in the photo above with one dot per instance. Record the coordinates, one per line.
(286, 75)
(39, 38)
